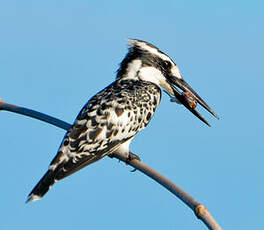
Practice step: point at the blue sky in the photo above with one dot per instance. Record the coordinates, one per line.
(55, 55)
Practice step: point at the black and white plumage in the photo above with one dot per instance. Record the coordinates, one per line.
(110, 119)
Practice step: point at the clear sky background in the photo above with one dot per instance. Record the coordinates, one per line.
(54, 55)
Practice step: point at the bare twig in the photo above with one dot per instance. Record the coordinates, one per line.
(200, 210)
(34, 114)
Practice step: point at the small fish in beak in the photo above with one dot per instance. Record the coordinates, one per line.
(189, 98)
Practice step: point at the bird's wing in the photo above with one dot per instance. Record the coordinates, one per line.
(110, 118)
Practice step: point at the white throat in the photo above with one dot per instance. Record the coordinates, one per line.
(155, 76)
(151, 74)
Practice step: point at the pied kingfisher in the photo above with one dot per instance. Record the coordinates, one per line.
(111, 118)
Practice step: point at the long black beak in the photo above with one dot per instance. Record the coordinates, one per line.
(182, 98)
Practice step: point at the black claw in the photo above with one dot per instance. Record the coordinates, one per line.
(133, 170)
(131, 157)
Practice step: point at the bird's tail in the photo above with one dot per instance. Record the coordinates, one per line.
(59, 169)
(42, 186)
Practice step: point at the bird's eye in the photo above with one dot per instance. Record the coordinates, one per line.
(166, 65)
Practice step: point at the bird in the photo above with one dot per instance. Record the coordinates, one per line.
(109, 120)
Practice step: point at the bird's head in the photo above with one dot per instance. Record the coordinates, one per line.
(146, 62)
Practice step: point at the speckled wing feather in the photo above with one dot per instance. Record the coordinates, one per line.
(110, 118)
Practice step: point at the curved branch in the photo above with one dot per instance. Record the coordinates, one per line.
(35, 114)
(199, 209)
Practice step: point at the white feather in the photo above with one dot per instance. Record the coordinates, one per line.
(176, 72)
(133, 68)
(150, 49)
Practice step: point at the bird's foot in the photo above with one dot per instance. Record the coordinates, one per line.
(131, 157)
